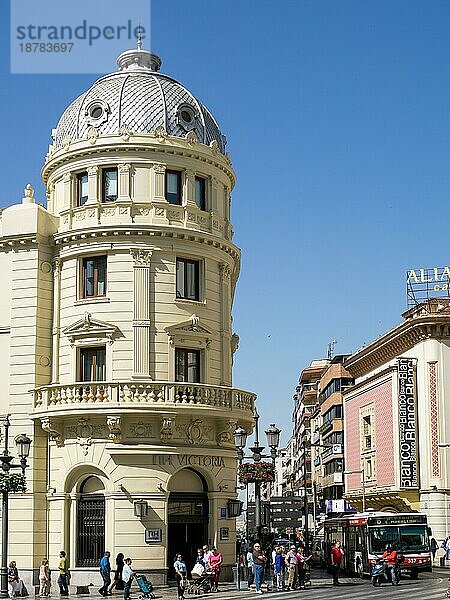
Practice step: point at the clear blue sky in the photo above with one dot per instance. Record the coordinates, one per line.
(337, 116)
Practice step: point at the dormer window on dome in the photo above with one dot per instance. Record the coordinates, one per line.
(97, 112)
(186, 115)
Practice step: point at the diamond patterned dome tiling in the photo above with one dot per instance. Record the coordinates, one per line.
(138, 96)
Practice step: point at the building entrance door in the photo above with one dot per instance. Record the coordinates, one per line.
(184, 539)
(187, 527)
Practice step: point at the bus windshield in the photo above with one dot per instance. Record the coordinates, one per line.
(408, 538)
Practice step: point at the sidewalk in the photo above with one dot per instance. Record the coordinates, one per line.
(228, 590)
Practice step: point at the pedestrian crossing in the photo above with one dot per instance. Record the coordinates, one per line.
(425, 589)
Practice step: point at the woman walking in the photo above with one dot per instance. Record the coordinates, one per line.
(14, 582)
(44, 579)
(215, 560)
(181, 575)
(118, 581)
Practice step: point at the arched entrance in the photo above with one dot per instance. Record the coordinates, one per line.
(90, 522)
(187, 517)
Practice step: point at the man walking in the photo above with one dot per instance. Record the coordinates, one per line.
(291, 564)
(63, 574)
(336, 560)
(127, 577)
(105, 572)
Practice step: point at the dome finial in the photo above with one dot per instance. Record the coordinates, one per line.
(139, 38)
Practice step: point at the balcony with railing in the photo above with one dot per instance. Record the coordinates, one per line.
(59, 399)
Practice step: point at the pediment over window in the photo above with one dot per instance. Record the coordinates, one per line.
(190, 330)
(89, 328)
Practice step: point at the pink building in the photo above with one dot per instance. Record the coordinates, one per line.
(396, 418)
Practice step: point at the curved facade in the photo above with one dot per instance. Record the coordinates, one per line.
(118, 317)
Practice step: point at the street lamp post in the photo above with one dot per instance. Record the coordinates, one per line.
(363, 486)
(23, 444)
(273, 439)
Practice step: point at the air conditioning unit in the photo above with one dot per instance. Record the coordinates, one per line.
(337, 449)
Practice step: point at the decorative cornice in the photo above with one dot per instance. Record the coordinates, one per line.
(403, 337)
(67, 238)
(112, 144)
(20, 240)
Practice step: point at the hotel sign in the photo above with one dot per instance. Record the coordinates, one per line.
(423, 284)
(407, 413)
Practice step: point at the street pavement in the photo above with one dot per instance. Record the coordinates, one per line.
(432, 586)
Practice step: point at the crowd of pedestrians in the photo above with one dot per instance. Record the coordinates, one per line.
(289, 566)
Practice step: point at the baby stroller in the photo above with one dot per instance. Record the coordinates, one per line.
(305, 578)
(201, 582)
(145, 586)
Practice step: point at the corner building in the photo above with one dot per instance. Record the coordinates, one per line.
(396, 416)
(116, 313)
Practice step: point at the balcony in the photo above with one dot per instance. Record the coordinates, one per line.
(130, 396)
(325, 427)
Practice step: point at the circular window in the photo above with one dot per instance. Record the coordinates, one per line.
(96, 112)
(186, 116)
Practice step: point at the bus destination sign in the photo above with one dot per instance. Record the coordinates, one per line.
(399, 519)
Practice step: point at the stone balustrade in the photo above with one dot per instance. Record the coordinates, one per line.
(150, 394)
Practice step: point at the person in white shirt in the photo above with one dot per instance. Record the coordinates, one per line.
(206, 555)
(127, 577)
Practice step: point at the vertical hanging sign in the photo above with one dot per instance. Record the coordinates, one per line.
(407, 412)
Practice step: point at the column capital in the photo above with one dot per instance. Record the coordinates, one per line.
(141, 258)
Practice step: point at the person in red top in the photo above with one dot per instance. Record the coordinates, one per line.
(336, 560)
(390, 556)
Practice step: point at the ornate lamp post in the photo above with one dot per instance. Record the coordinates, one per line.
(23, 444)
(273, 439)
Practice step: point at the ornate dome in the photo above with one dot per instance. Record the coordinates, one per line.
(140, 97)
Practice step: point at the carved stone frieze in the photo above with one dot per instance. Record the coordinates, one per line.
(167, 427)
(115, 429)
(225, 435)
(141, 429)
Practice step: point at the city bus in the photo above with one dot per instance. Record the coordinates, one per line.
(364, 537)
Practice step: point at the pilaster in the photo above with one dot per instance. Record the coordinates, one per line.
(124, 182)
(93, 192)
(225, 341)
(141, 313)
(57, 267)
